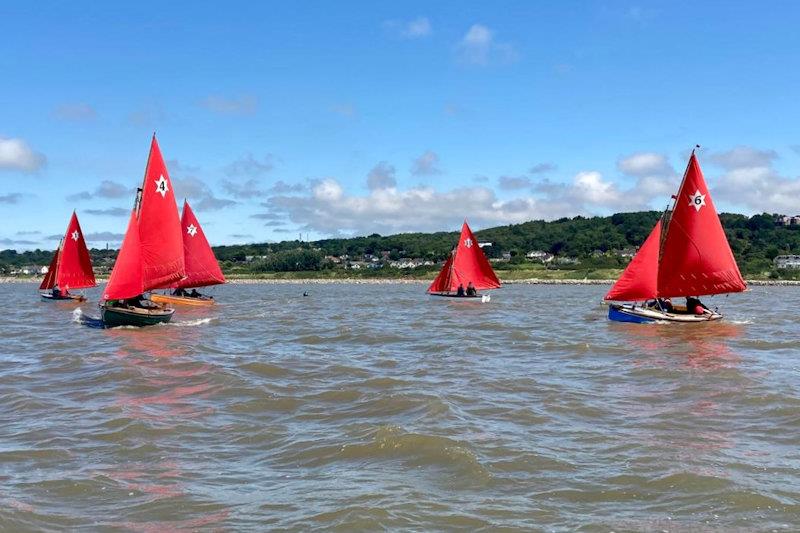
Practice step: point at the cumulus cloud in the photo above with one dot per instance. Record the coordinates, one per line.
(244, 105)
(250, 167)
(426, 165)
(281, 187)
(16, 154)
(75, 112)
(243, 190)
(512, 183)
(203, 198)
(106, 189)
(655, 176)
(412, 29)
(479, 47)
(382, 176)
(542, 168)
(751, 181)
(10, 198)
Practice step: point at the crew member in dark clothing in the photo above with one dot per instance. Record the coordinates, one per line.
(694, 305)
(471, 289)
(194, 294)
(460, 291)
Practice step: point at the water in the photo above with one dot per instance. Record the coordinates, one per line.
(366, 407)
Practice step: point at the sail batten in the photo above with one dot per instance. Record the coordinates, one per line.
(466, 264)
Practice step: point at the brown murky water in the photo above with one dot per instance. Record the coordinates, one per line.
(366, 407)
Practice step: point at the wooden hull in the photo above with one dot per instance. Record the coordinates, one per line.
(181, 300)
(644, 315)
(120, 316)
(49, 297)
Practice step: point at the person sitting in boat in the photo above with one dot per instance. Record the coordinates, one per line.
(460, 290)
(694, 305)
(662, 304)
(56, 292)
(471, 289)
(194, 294)
(179, 292)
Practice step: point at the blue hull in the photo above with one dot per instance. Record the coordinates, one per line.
(616, 315)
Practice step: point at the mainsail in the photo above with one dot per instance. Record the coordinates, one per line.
(71, 267)
(686, 254)
(466, 264)
(159, 226)
(202, 268)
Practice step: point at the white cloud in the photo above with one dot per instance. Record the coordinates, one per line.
(511, 183)
(201, 194)
(645, 164)
(751, 181)
(244, 105)
(426, 165)
(478, 47)
(542, 168)
(16, 154)
(382, 176)
(412, 29)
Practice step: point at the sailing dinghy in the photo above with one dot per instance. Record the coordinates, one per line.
(71, 267)
(686, 254)
(202, 268)
(465, 265)
(151, 255)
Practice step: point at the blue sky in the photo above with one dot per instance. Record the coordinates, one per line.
(334, 118)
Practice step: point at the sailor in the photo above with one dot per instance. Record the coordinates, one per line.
(56, 291)
(179, 292)
(694, 305)
(194, 294)
(471, 289)
(460, 291)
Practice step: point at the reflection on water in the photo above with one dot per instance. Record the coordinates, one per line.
(377, 407)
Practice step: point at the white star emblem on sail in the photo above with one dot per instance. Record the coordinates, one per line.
(191, 230)
(75, 235)
(161, 186)
(697, 200)
(468, 243)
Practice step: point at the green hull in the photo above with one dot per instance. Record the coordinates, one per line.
(115, 316)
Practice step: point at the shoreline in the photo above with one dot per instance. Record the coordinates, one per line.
(401, 281)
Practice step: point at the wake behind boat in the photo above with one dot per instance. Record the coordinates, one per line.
(466, 270)
(71, 267)
(686, 255)
(151, 255)
(202, 267)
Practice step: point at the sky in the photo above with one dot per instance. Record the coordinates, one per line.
(281, 119)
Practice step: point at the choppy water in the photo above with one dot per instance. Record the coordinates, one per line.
(368, 407)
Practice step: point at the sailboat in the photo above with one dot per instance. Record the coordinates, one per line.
(71, 267)
(686, 254)
(151, 255)
(202, 268)
(465, 266)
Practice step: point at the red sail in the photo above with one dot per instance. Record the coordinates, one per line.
(159, 226)
(49, 280)
(126, 278)
(466, 265)
(639, 281)
(202, 268)
(75, 265)
(696, 257)
(442, 281)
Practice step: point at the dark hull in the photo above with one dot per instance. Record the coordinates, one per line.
(49, 297)
(117, 316)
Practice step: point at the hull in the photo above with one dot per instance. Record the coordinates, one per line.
(50, 297)
(119, 316)
(181, 300)
(453, 295)
(644, 315)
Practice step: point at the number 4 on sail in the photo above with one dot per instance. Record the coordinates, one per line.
(686, 255)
